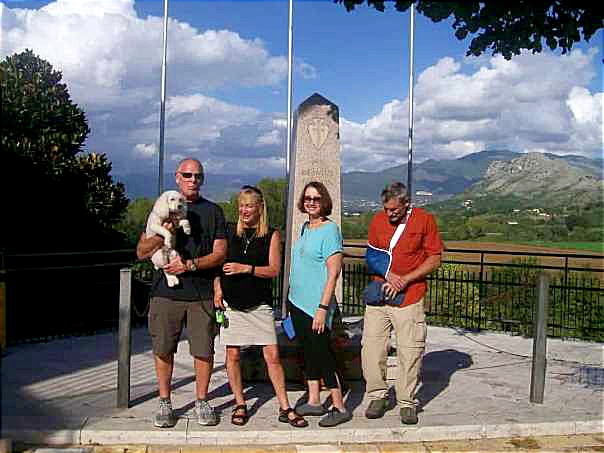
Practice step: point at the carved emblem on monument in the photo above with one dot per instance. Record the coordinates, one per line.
(318, 130)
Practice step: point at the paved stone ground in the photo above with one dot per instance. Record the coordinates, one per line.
(568, 444)
(475, 386)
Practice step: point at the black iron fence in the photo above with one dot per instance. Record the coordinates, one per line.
(50, 295)
(496, 290)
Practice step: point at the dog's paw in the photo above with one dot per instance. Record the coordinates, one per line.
(172, 280)
(186, 226)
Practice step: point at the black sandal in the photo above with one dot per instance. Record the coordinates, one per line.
(239, 419)
(296, 422)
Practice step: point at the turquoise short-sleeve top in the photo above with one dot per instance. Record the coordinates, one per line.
(308, 275)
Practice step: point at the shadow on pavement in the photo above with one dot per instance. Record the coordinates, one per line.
(40, 379)
(437, 369)
(176, 384)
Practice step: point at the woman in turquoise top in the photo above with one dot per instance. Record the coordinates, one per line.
(315, 267)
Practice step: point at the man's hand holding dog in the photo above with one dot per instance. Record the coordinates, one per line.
(176, 266)
(147, 246)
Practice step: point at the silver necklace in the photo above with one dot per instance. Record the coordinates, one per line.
(247, 241)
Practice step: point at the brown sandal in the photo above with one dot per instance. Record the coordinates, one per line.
(296, 422)
(239, 416)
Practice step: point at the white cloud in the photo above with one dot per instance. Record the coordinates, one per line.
(196, 121)
(110, 56)
(585, 107)
(532, 102)
(270, 166)
(458, 148)
(110, 59)
(280, 123)
(145, 150)
(306, 70)
(270, 138)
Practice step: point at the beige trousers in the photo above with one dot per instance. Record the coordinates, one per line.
(409, 324)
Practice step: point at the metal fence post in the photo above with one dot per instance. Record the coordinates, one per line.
(2, 326)
(540, 340)
(3, 278)
(124, 339)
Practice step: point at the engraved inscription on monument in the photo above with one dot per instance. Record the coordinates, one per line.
(315, 157)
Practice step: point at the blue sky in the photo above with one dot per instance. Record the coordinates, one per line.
(362, 57)
(227, 83)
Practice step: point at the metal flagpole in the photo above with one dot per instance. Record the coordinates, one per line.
(289, 86)
(162, 114)
(288, 219)
(410, 144)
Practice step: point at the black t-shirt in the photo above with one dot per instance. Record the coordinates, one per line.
(244, 291)
(207, 224)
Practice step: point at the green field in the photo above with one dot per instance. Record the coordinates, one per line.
(589, 246)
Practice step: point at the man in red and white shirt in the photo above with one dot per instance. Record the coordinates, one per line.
(416, 254)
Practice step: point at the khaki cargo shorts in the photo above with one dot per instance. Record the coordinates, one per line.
(168, 318)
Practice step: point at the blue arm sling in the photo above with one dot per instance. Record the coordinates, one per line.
(379, 261)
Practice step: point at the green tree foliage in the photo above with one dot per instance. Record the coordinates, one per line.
(454, 297)
(104, 199)
(274, 191)
(275, 194)
(134, 221)
(39, 120)
(507, 28)
(357, 227)
(73, 201)
(230, 209)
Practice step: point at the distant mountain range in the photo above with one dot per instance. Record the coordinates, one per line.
(443, 178)
(554, 182)
(216, 187)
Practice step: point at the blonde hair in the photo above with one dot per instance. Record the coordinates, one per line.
(262, 227)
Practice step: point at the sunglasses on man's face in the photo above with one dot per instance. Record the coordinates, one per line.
(189, 175)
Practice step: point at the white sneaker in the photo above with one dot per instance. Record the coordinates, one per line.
(205, 413)
(165, 417)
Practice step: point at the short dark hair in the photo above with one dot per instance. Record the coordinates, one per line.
(326, 203)
(394, 190)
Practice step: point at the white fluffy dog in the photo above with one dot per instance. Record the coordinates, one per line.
(170, 206)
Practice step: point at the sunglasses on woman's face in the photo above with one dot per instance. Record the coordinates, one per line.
(312, 200)
(253, 189)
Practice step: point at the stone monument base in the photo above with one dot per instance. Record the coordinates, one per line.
(347, 345)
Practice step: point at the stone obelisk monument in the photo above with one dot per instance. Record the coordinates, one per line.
(315, 157)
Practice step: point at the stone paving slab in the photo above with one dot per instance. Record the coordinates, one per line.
(475, 386)
(567, 444)
(138, 432)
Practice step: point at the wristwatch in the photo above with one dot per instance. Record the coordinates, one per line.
(192, 267)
